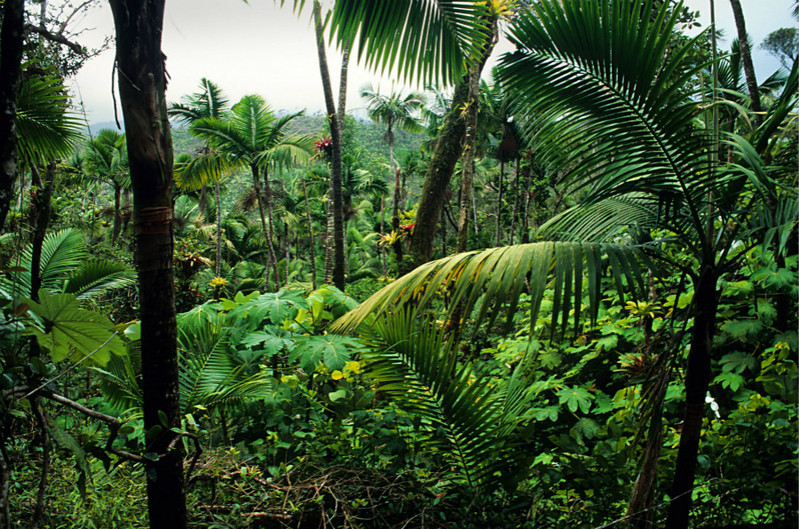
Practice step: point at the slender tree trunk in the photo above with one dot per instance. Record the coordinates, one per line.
(746, 60)
(271, 235)
(697, 379)
(117, 215)
(217, 197)
(395, 221)
(443, 232)
(342, 87)
(467, 173)
(499, 201)
(142, 82)
(11, 42)
(335, 166)
(515, 215)
(310, 235)
(41, 219)
(257, 187)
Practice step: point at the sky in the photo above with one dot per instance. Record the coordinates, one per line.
(258, 47)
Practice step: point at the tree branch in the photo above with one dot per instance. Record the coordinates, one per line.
(59, 39)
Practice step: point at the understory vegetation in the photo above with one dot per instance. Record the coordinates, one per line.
(601, 333)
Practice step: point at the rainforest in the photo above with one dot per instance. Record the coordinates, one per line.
(554, 287)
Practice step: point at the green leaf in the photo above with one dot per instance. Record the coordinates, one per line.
(337, 395)
(730, 380)
(737, 362)
(742, 328)
(68, 331)
(64, 440)
(331, 349)
(575, 397)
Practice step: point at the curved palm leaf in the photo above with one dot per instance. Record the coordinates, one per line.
(469, 417)
(499, 275)
(45, 126)
(611, 107)
(426, 40)
(96, 277)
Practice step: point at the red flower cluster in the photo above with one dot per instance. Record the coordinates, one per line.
(324, 147)
(407, 228)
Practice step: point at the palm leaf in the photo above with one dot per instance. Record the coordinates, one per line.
(421, 40)
(97, 276)
(499, 275)
(45, 126)
(468, 417)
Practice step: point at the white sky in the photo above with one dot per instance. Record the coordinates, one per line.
(261, 48)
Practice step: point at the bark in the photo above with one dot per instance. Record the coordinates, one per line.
(259, 200)
(142, 82)
(442, 164)
(217, 197)
(40, 220)
(515, 214)
(310, 235)
(395, 221)
(335, 166)
(342, 87)
(467, 173)
(697, 379)
(270, 236)
(746, 60)
(11, 42)
(499, 200)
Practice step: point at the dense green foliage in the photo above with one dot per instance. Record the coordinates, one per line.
(526, 385)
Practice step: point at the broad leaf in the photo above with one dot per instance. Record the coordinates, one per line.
(68, 331)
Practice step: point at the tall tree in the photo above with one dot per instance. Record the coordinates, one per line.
(394, 111)
(336, 200)
(670, 181)
(106, 160)
(142, 83)
(11, 43)
(746, 59)
(252, 135)
(207, 166)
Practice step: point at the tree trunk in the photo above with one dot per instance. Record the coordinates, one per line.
(395, 222)
(335, 166)
(746, 60)
(697, 379)
(117, 215)
(11, 42)
(515, 214)
(41, 209)
(467, 173)
(142, 82)
(442, 164)
(342, 87)
(271, 235)
(217, 197)
(499, 201)
(310, 235)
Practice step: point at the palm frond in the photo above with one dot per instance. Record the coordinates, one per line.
(499, 276)
(421, 40)
(467, 416)
(45, 125)
(611, 107)
(97, 276)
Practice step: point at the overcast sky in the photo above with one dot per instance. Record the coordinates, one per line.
(257, 47)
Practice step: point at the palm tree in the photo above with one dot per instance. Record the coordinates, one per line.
(142, 85)
(394, 111)
(106, 160)
(206, 166)
(616, 109)
(252, 135)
